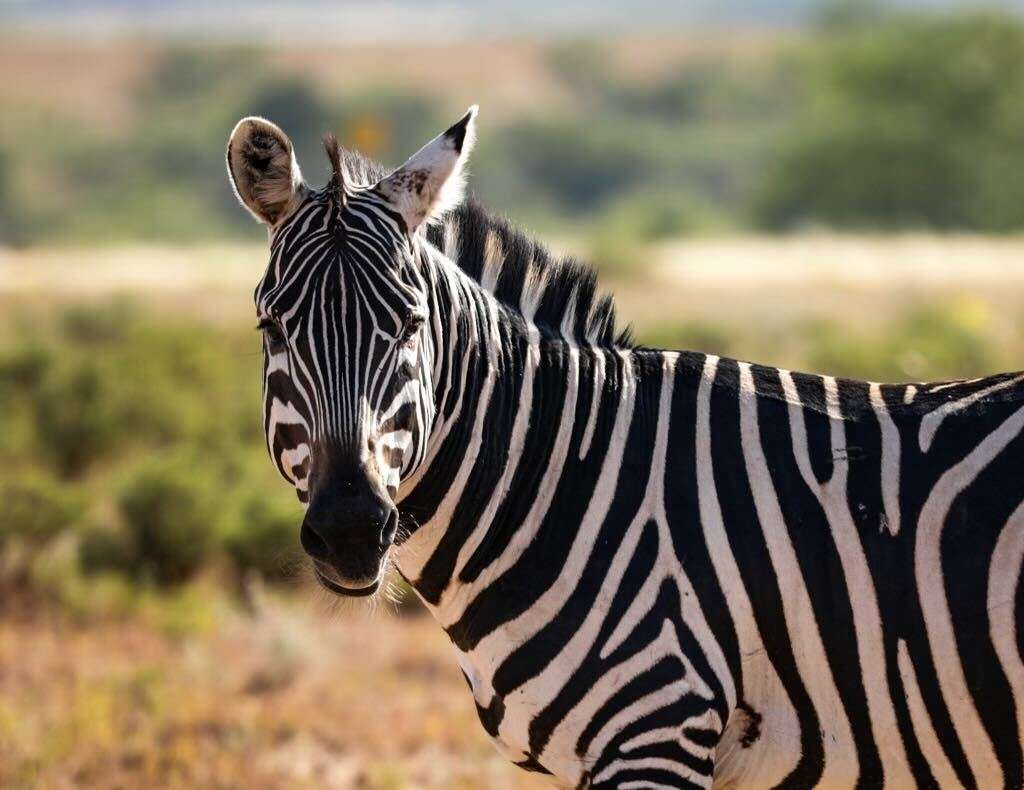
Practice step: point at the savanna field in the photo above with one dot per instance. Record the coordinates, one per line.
(158, 627)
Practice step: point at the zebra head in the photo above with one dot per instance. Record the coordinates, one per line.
(348, 351)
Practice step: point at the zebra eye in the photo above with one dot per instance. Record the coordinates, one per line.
(273, 334)
(412, 325)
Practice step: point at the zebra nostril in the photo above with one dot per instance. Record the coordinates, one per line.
(389, 531)
(313, 543)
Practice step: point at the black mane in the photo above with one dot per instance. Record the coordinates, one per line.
(562, 292)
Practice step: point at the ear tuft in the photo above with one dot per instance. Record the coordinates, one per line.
(462, 133)
(263, 170)
(432, 181)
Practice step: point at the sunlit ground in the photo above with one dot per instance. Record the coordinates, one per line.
(196, 692)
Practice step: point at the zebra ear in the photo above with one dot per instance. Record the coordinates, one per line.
(433, 179)
(263, 170)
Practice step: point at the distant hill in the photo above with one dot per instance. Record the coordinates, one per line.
(410, 20)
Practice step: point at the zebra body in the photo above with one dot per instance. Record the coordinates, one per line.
(695, 589)
(658, 569)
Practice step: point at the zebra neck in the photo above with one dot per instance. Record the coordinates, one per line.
(530, 417)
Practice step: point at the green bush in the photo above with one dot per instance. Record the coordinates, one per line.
(22, 371)
(912, 123)
(168, 510)
(265, 536)
(36, 508)
(107, 548)
(112, 407)
(933, 343)
(23, 368)
(657, 216)
(92, 326)
(75, 423)
(576, 164)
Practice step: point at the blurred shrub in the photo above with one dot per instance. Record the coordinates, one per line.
(22, 371)
(651, 216)
(913, 123)
(576, 164)
(185, 611)
(169, 513)
(143, 455)
(265, 535)
(15, 227)
(54, 572)
(933, 342)
(846, 15)
(614, 255)
(74, 419)
(97, 326)
(36, 508)
(693, 335)
(23, 368)
(87, 392)
(871, 119)
(929, 342)
(107, 548)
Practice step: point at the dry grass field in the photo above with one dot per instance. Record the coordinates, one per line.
(200, 693)
(733, 282)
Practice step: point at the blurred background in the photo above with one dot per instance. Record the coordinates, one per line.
(835, 187)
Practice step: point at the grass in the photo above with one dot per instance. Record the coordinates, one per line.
(282, 694)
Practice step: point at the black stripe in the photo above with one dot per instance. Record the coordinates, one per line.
(811, 537)
(747, 543)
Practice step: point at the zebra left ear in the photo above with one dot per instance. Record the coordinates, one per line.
(432, 180)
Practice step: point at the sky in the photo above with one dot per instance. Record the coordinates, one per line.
(411, 20)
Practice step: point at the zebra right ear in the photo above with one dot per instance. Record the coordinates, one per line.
(433, 179)
(263, 170)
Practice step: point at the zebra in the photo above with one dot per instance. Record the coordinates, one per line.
(656, 568)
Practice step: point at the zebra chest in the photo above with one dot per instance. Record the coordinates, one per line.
(506, 720)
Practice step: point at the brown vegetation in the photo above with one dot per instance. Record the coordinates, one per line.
(286, 695)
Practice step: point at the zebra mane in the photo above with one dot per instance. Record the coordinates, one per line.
(558, 294)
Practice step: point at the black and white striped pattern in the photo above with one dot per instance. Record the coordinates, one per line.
(661, 569)
(336, 367)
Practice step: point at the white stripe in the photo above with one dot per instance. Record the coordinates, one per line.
(494, 259)
(931, 588)
(517, 440)
(890, 464)
(503, 641)
(931, 422)
(775, 754)
(527, 531)
(808, 651)
(867, 620)
(597, 385)
(667, 563)
(569, 730)
(1003, 578)
(931, 748)
(414, 553)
